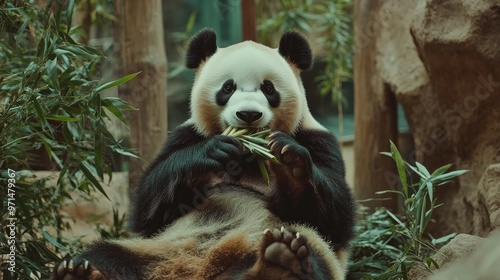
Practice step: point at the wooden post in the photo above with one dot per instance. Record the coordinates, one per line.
(249, 25)
(374, 112)
(140, 34)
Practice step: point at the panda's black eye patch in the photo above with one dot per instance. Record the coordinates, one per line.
(223, 95)
(229, 87)
(273, 97)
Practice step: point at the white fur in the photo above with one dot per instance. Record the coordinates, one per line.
(249, 64)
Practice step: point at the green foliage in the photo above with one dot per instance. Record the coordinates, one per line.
(335, 25)
(276, 17)
(49, 104)
(388, 245)
(330, 21)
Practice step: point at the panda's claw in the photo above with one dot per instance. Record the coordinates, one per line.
(273, 145)
(273, 135)
(74, 269)
(285, 149)
(70, 265)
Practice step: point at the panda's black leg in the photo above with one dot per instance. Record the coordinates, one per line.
(103, 260)
(74, 269)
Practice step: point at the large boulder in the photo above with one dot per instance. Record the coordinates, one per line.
(456, 251)
(482, 263)
(441, 59)
(458, 43)
(489, 193)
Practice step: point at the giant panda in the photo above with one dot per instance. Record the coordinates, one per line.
(202, 209)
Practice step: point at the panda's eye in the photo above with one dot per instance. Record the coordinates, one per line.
(229, 87)
(273, 96)
(267, 87)
(226, 91)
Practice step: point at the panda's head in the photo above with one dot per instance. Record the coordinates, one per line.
(248, 84)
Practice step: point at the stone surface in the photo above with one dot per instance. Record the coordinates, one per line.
(441, 59)
(481, 264)
(457, 250)
(489, 193)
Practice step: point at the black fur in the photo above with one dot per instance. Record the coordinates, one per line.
(225, 92)
(177, 183)
(201, 47)
(177, 176)
(272, 95)
(178, 173)
(111, 260)
(323, 199)
(295, 48)
(308, 188)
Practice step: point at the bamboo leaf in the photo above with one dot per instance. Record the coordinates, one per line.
(69, 14)
(389, 191)
(123, 152)
(400, 167)
(422, 169)
(449, 175)
(53, 241)
(118, 103)
(40, 114)
(61, 118)
(396, 219)
(116, 82)
(263, 170)
(440, 170)
(85, 168)
(51, 67)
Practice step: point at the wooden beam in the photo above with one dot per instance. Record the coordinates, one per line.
(249, 24)
(374, 112)
(141, 45)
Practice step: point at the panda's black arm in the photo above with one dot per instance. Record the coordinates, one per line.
(176, 181)
(322, 199)
(164, 184)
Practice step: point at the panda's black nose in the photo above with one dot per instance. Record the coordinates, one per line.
(248, 116)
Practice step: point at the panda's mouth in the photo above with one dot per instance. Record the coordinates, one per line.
(252, 129)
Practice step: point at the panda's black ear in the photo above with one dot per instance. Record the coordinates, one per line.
(200, 47)
(295, 48)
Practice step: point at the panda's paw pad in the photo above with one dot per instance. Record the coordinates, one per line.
(73, 269)
(287, 249)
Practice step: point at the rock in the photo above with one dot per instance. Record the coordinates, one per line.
(481, 264)
(458, 249)
(442, 62)
(489, 193)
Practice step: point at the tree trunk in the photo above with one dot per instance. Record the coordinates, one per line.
(140, 36)
(374, 112)
(249, 25)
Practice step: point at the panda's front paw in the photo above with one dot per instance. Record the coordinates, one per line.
(72, 269)
(219, 150)
(291, 154)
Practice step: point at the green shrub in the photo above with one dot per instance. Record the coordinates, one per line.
(388, 245)
(49, 104)
(332, 23)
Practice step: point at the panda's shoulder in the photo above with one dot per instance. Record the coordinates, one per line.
(314, 135)
(186, 129)
(184, 135)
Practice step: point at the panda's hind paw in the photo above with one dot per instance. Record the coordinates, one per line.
(72, 269)
(288, 249)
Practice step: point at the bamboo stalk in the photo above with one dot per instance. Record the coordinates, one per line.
(256, 143)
